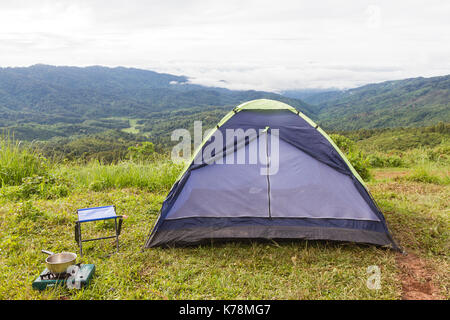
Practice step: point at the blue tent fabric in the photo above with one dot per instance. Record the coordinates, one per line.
(241, 191)
(298, 190)
(314, 195)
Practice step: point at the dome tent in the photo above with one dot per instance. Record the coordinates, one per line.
(314, 194)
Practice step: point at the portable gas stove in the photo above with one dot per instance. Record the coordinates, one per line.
(80, 278)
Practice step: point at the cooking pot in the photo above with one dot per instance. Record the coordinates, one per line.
(59, 262)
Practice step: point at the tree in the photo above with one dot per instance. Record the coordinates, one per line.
(141, 152)
(358, 160)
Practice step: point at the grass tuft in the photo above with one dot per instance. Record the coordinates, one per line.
(425, 175)
(152, 176)
(18, 162)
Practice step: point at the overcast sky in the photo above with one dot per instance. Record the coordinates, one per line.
(266, 45)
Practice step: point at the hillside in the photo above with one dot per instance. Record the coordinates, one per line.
(409, 102)
(401, 139)
(313, 96)
(44, 102)
(41, 101)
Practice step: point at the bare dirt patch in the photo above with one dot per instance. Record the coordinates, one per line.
(408, 188)
(380, 175)
(417, 279)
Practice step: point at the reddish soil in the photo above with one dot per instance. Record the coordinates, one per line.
(416, 278)
(389, 174)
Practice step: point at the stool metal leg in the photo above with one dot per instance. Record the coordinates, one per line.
(80, 241)
(117, 235)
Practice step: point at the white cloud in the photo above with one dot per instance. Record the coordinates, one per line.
(256, 44)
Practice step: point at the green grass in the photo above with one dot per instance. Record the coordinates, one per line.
(414, 200)
(18, 162)
(299, 270)
(425, 174)
(157, 176)
(418, 214)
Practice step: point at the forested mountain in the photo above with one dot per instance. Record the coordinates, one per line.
(401, 103)
(312, 95)
(44, 102)
(70, 100)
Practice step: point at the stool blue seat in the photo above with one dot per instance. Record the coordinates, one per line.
(96, 214)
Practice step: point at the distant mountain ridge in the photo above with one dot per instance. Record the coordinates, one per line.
(93, 92)
(409, 102)
(44, 102)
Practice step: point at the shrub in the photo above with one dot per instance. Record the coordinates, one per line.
(360, 163)
(345, 144)
(141, 152)
(99, 185)
(358, 160)
(439, 154)
(381, 161)
(47, 187)
(28, 212)
(394, 161)
(421, 174)
(376, 161)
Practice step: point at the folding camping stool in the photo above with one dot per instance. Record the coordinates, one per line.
(96, 214)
